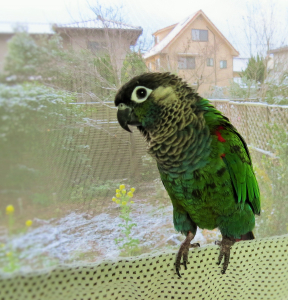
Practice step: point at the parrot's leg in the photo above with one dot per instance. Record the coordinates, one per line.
(225, 245)
(183, 251)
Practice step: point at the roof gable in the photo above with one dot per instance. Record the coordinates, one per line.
(170, 27)
(177, 31)
(281, 49)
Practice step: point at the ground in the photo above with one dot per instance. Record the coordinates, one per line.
(65, 233)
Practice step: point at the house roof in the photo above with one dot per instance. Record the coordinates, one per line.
(281, 49)
(46, 28)
(99, 23)
(178, 29)
(32, 28)
(165, 28)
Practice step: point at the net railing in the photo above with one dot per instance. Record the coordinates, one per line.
(60, 167)
(258, 270)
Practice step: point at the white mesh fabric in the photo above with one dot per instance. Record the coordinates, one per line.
(258, 269)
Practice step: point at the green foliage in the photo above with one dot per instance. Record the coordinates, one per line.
(10, 261)
(9, 258)
(216, 92)
(84, 71)
(127, 244)
(42, 199)
(277, 93)
(149, 171)
(28, 56)
(98, 189)
(272, 175)
(255, 70)
(133, 65)
(248, 89)
(36, 138)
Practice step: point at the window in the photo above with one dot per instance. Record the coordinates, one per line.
(157, 64)
(199, 35)
(210, 62)
(186, 62)
(156, 39)
(150, 66)
(223, 64)
(95, 46)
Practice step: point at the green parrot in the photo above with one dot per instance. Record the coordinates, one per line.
(203, 161)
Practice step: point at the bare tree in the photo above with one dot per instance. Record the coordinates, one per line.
(100, 47)
(264, 28)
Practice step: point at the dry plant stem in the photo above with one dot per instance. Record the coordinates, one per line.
(183, 251)
(225, 245)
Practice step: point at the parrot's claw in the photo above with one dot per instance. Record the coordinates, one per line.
(225, 246)
(183, 251)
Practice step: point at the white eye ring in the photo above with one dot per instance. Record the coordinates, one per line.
(136, 95)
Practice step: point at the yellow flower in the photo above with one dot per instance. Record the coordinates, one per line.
(2, 245)
(9, 209)
(114, 199)
(28, 223)
(117, 201)
(132, 190)
(123, 192)
(124, 203)
(8, 253)
(122, 187)
(118, 195)
(117, 191)
(130, 194)
(131, 202)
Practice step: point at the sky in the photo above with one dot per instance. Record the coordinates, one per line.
(151, 15)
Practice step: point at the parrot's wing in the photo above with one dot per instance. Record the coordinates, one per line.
(236, 156)
(239, 165)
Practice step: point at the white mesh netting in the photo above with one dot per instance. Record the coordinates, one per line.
(258, 270)
(57, 180)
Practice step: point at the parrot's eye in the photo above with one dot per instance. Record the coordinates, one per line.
(140, 94)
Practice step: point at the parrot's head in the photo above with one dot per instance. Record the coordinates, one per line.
(151, 101)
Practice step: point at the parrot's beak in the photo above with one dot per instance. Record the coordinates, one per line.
(126, 116)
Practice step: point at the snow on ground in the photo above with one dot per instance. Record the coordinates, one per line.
(80, 237)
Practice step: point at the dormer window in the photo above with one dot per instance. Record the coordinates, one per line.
(199, 35)
(156, 39)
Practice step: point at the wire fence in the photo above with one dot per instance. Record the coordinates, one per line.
(117, 154)
(60, 168)
(255, 122)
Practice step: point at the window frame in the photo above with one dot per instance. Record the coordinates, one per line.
(197, 33)
(96, 46)
(223, 62)
(208, 62)
(157, 64)
(186, 64)
(156, 39)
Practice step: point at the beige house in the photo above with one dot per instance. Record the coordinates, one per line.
(278, 63)
(196, 50)
(98, 35)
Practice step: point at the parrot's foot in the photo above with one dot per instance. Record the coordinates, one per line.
(183, 251)
(225, 245)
